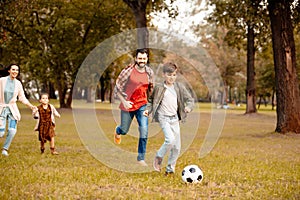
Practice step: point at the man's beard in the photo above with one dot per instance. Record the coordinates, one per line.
(138, 64)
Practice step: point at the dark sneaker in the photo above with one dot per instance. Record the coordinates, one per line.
(117, 138)
(157, 163)
(169, 173)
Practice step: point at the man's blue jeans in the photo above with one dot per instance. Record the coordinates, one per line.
(11, 132)
(126, 119)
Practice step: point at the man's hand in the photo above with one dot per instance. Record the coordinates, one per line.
(127, 104)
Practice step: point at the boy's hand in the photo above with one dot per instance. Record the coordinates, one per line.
(146, 113)
(187, 109)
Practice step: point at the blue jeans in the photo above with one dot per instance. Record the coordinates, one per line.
(123, 128)
(12, 129)
(172, 143)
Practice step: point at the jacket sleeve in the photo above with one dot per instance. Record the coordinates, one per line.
(21, 94)
(187, 98)
(54, 111)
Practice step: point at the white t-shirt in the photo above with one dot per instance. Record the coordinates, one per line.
(169, 105)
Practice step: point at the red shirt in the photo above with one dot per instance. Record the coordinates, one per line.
(136, 90)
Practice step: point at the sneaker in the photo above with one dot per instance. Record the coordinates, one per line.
(117, 138)
(4, 152)
(142, 163)
(157, 163)
(169, 173)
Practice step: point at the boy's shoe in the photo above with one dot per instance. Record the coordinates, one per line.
(117, 138)
(142, 163)
(4, 152)
(169, 173)
(157, 163)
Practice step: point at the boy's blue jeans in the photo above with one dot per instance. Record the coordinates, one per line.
(11, 129)
(126, 119)
(171, 129)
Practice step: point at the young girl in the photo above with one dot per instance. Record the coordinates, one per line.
(45, 114)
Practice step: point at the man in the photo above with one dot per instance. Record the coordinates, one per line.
(133, 86)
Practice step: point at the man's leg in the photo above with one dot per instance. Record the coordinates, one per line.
(126, 119)
(143, 131)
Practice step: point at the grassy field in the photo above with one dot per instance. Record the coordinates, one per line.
(249, 161)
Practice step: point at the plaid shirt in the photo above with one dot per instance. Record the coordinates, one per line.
(124, 77)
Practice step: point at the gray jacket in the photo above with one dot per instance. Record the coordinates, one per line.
(184, 99)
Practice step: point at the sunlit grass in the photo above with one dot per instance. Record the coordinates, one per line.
(249, 161)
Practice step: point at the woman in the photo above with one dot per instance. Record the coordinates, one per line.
(11, 90)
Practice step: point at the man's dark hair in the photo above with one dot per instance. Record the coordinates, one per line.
(144, 50)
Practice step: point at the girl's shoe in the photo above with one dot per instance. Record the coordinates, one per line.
(53, 152)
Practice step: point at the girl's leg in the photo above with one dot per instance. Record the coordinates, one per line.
(42, 146)
(52, 147)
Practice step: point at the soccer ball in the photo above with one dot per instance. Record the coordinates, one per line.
(192, 174)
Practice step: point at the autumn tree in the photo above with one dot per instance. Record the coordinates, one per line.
(245, 20)
(52, 38)
(287, 84)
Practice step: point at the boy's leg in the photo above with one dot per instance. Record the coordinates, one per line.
(175, 150)
(165, 124)
(143, 132)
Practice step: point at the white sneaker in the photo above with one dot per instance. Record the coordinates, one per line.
(4, 152)
(142, 163)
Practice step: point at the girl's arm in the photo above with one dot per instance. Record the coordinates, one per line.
(56, 114)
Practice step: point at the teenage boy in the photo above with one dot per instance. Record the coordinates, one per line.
(169, 103)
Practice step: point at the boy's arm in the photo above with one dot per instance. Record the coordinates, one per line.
(188, 100)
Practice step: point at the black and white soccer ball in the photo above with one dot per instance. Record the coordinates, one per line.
(192, 174)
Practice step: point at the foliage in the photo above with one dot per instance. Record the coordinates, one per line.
(52, 38)
(229, 61)
(236, 16)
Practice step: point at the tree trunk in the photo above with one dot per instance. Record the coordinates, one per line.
(139, 10)
(250, 89)
(286, 81)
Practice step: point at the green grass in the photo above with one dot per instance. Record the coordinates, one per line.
(249, 161)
